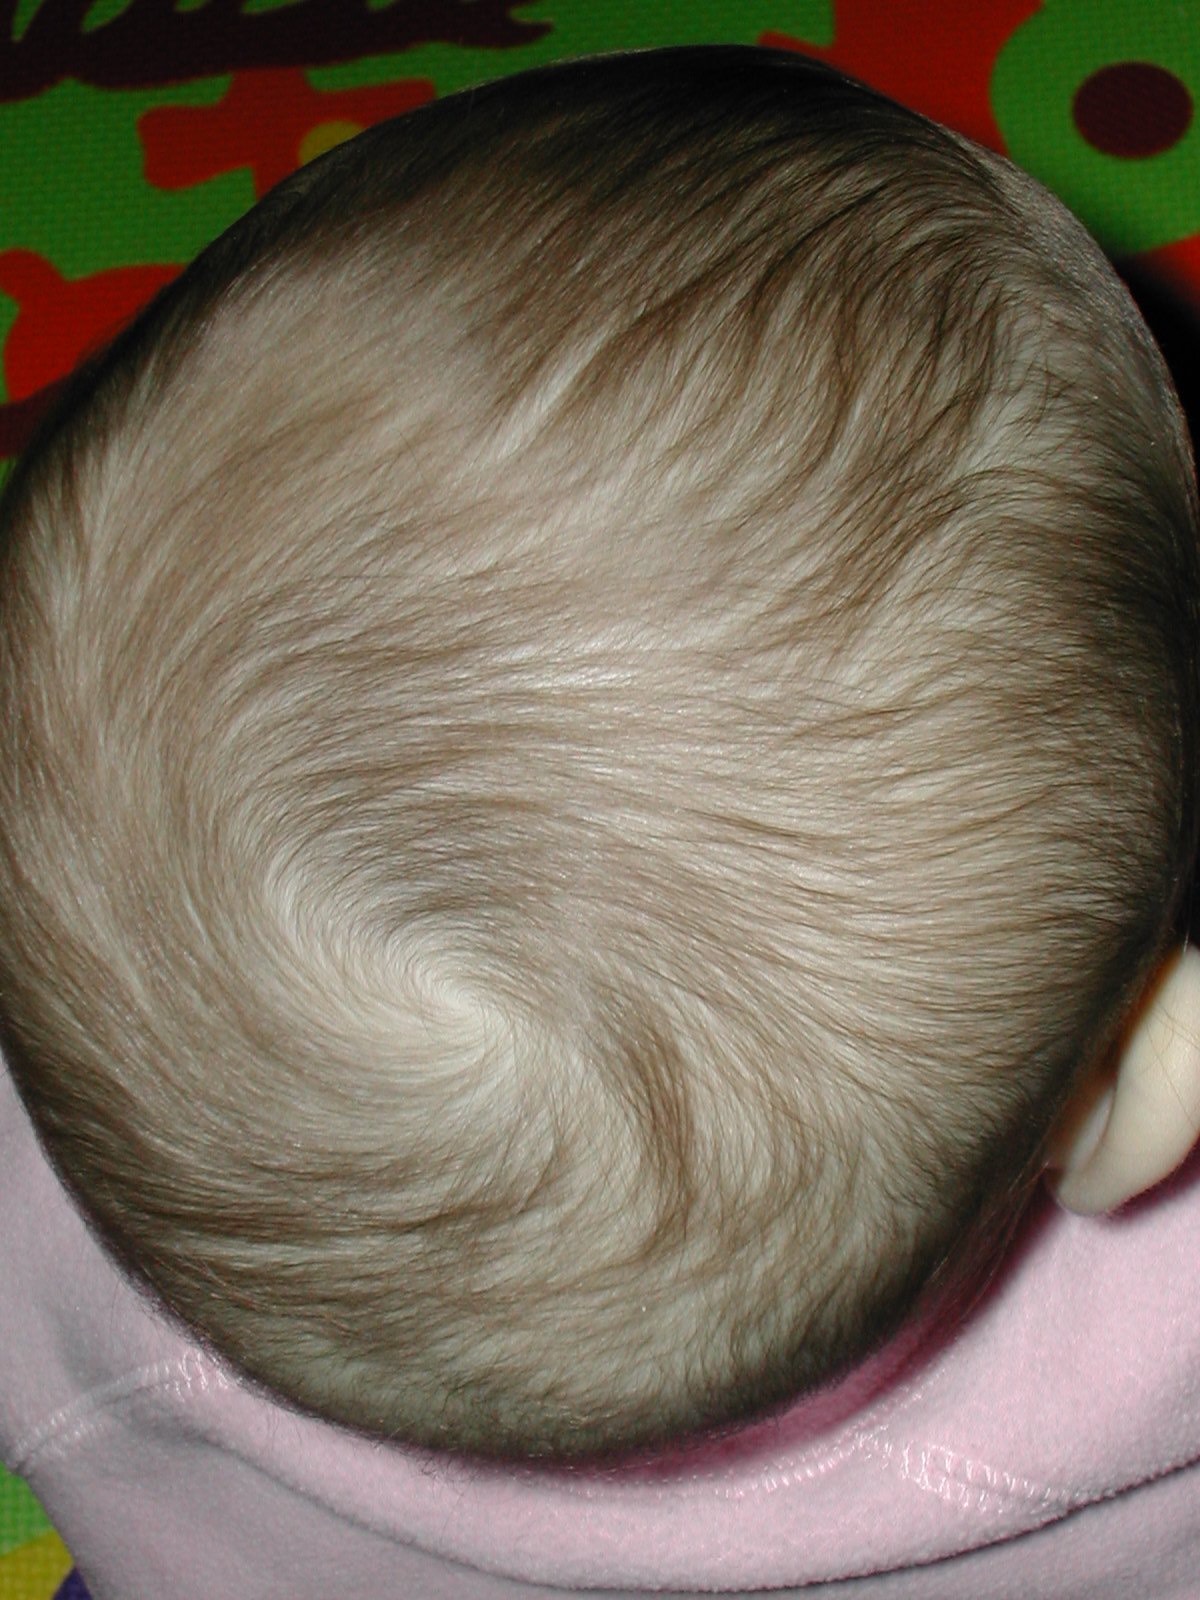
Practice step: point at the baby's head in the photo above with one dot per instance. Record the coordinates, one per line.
(599, 715)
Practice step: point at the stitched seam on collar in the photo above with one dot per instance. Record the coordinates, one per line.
(70, 1425)
(965, 1482)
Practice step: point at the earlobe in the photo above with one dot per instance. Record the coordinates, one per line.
(1128, 1132)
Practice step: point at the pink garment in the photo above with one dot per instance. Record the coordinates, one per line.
(1049, 1449)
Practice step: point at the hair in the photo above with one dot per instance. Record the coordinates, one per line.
(598, 717)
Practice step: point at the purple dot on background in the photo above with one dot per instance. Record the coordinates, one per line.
(72, 1588)
(1132, 109)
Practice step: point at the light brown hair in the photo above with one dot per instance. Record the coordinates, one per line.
(598, 715)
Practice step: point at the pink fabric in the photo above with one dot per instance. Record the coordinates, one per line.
(1047, 1449)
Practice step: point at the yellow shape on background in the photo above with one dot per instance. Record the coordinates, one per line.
(33, 1571)
(324, 137)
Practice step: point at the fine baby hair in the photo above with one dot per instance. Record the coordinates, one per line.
(598, 714)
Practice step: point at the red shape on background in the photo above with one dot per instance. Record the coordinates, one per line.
(935, 56)
(260, 124)
(60, 320)
(1177, 264)
(19, 420)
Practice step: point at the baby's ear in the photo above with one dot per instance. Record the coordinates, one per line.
(1130, 1128)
